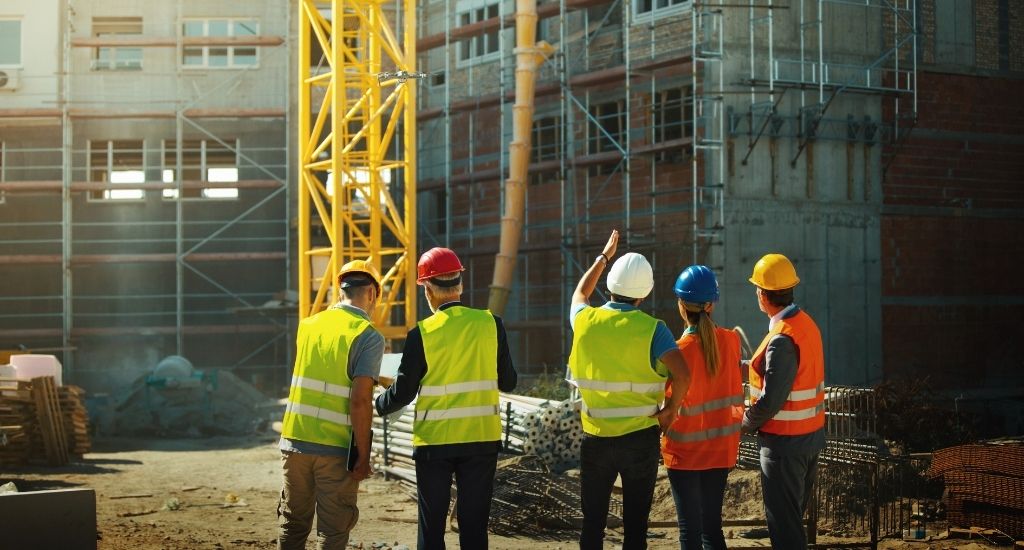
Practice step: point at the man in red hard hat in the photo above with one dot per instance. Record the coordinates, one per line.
(456, 360)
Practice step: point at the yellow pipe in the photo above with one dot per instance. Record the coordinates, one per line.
(529, 56)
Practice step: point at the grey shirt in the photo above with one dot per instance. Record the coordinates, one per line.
(364, 358)
(781, 359)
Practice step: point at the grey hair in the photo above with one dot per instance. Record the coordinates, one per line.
(443, 292)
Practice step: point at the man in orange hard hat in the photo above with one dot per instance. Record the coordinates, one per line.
(787, 391)
(456, 360)
(337, 361)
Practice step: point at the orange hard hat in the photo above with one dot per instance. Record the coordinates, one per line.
(359, 266)
(774, 272)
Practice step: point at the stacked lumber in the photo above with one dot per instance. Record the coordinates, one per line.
(17, 421)
(41, 423)
(76, 419)
(550, 430)
(984, 485)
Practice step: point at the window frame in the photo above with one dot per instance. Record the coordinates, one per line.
(204, 170)
(657, 12)
(103, 196)
(21, 43)
(473, 11)
(111, 65)
(230, 50)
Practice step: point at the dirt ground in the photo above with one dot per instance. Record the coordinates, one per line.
(221, 493)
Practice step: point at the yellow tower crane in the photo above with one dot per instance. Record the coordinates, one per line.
(357, 94)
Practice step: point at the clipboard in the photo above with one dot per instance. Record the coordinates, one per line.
(353, 452)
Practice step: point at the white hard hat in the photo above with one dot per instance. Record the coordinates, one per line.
(631, 276)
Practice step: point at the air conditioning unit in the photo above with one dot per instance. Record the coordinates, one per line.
(9, 79)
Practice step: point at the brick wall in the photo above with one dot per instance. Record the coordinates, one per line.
(953, 235)
(986, 34)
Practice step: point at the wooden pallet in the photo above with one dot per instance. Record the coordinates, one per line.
(51, 422)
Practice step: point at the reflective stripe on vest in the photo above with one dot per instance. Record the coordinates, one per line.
(458, 397)
(318, 400)
(600, 385)
(611, 365)
(460, 387)
(804, 409)
(317, 412)
(461, 412)
(320, 386)
(706, 432)
(703, 435)
(713, 405)
(620, 412)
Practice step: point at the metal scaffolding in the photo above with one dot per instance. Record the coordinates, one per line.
(354, 101)
(101, 266)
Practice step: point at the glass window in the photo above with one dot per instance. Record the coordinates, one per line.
(218, 56)
(481, 47)
(117, 58)
(651, 7)
(202, 160)
(10, 42)
(120, 162)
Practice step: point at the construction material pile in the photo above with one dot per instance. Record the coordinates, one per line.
(549, 430)
(40, 422)
(984, 485)
(529, 499)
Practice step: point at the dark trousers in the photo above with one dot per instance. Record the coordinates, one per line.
(698, 495)
(786, 484)
(474, 480)
(633, 456)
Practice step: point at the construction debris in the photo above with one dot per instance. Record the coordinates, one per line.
(40, 422)
(984, 485)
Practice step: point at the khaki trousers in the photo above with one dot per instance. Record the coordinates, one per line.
(320, 484)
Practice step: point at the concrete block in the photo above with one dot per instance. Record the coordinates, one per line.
(62, 518)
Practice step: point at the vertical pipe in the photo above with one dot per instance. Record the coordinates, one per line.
(179, 245)
(67, 143)
(626, 105)
(409, 145)
(302, 188)
(564, 153)
(447, 123)
(529, 56)
(695, 23)
(821, 53)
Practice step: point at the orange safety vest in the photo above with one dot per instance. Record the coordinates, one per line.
(706, 434)
(804, 409)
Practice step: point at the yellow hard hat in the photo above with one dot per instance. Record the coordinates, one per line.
(359, 266)
(774, 272)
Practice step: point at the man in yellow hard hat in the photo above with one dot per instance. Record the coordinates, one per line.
(328, 416)
(787, 391)
(616, 350)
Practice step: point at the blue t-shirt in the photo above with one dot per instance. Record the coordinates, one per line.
(662, 343)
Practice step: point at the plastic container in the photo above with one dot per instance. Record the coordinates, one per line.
(30, 366)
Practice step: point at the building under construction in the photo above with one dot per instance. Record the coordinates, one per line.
(150, 182)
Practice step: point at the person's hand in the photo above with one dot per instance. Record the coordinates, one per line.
(666, 416)
(613, 243)
(363, 469)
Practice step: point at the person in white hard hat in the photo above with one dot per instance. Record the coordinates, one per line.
(614, 362)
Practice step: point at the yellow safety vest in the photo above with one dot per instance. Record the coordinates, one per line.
(458, 398)
(318, 401)
(611, 364)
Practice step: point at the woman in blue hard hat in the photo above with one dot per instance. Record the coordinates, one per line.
(701, 445)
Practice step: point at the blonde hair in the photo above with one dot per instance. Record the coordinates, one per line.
(698, 314)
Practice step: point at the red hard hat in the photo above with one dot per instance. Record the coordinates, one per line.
(437, 261)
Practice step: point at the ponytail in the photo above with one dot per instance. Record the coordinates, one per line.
(699, 316)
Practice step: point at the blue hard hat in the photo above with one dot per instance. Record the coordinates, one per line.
(697, 284)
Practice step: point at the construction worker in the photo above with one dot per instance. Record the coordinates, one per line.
(456, 360)
(337, 361)
(615, 351)
(787, 393)
(702, 445)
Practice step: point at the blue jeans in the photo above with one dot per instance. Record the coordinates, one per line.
(698, 495)
(633, 456)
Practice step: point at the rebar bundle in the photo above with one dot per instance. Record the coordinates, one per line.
(984, 485)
